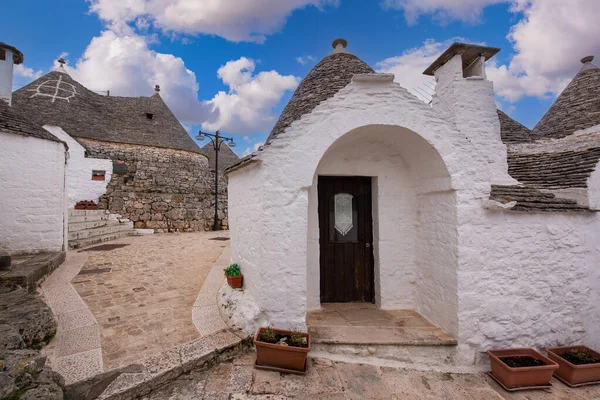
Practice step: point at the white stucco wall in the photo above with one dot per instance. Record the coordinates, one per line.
(373, 153)
(491, 278)
(32, 195)
(272, 199)
(80, 185)
(6, 77)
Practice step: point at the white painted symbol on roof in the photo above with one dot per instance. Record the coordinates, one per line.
(55, 88)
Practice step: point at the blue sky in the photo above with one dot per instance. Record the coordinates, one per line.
(128, 46)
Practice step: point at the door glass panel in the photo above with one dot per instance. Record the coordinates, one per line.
(344, 215)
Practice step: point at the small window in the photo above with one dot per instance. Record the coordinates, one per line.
(149, 115)
(343, 214)
(119, 168)
(98, 175)
(2, 54)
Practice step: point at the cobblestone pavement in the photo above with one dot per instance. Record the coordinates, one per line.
(143, 305)
(238, 380)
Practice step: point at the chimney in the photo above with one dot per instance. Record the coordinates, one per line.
(9, 56)
(464, 96)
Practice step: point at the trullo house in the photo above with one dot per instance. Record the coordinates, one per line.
(450, 211)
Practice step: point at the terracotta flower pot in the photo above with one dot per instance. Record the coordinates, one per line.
(235, 281)
(571, 373)
(279, 357)
(524, 376)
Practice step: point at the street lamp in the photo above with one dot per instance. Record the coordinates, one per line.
(216, 139)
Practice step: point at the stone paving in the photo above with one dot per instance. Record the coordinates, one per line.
(133, 299)
(325, 379)
(143, 305)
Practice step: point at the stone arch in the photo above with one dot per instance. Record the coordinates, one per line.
(414, 219)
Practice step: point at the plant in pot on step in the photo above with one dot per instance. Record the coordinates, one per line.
(281, 350)
(521, 369)
(577, 365)
(235, 279)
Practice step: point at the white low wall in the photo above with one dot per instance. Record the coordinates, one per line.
(32, 194)
(80, 185)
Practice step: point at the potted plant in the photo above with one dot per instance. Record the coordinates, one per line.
(521, 369)
(577, 365)
(281, 350)
(234, 276)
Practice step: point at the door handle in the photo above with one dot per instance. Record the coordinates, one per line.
(368, 245)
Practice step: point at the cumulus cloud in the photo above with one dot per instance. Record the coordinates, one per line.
(305, 60)
(248, 20)
(409, 66)
(247, 106)
(27, 73)
(250, 150)
(548, 40)
(125, 65)
(442, 10)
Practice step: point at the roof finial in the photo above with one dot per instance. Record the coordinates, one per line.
(587, 59)
(156, 88)
(61, 61)
(339, 46)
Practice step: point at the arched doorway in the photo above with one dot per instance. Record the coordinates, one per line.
(382, 194)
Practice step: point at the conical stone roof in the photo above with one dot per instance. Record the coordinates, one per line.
(57, 99)
(327, 78)
(577, 107)
(512, 131)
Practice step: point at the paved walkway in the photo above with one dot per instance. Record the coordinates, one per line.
(238, 380)
(118, 305)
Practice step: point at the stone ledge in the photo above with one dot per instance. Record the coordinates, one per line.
(378, 335)
(29, 273)
(141, 378)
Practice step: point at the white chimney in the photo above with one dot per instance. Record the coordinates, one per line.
(9, 56)
(465, 97)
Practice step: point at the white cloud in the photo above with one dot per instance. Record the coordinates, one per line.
(235, 20)
(247, 138)
(250, 150)
(548, 40)
(408, 67)
(305, 60)
(247, 106)
(25, 72)
(442, 10)
(125, 65)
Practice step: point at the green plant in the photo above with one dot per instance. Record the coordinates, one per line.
(233, 270)
(297, 340)
(267, 335)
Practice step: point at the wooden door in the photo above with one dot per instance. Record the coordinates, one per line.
(346, 239)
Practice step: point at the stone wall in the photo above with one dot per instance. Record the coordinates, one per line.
(161, 189)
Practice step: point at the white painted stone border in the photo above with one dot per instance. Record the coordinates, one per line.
(205, 312)
(76, 351)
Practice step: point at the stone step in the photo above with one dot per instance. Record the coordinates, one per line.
(80, 243)
(29, 272)
(86, 213)
(100, 231)
(80, 226)
(75, 219)
(380, 335)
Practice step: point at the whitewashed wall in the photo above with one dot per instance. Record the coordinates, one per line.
(80, 185)
(272, 199)
(506, 278)
(6, 77)
(373, 154)
(32, 194)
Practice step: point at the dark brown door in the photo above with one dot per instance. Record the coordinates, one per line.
(346, 239)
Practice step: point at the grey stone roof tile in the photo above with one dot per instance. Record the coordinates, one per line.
(533, 199)
(577, 107)
(14, 122)
(512, 131)
(86, 114)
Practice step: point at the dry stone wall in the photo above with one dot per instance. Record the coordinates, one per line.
(159, 188)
